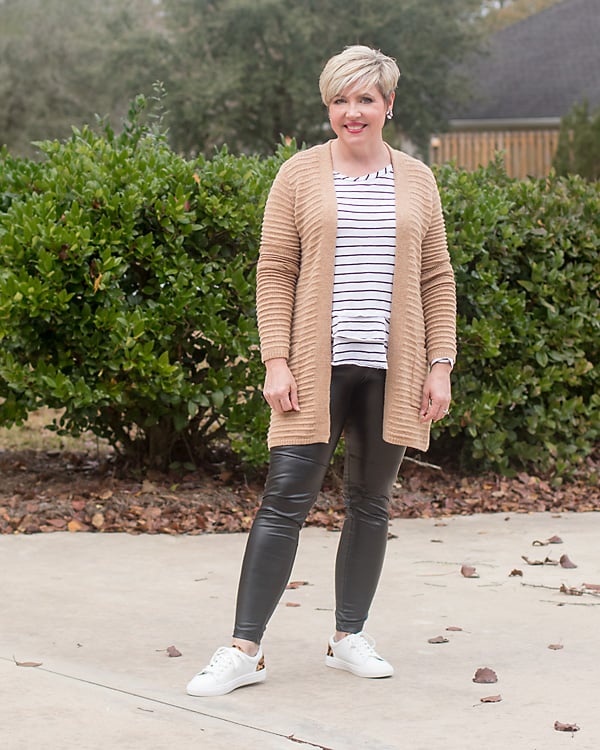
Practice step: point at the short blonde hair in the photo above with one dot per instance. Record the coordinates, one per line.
(355, 64)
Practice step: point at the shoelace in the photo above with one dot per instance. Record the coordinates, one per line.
(222, 660)
(364, 644)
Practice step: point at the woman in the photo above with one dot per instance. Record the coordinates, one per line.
(356, 313)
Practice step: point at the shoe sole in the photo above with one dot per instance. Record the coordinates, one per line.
(249, 679)
(335, 663)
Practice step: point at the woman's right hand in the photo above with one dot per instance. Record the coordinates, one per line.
(280, 390)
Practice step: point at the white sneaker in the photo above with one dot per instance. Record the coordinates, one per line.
(228, 669)
(356, 653)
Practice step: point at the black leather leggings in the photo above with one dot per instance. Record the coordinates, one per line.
(294, 480)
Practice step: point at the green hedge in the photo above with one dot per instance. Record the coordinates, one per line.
(526, 255)
(127, 298)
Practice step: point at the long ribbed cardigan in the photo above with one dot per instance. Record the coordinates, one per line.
(295, 288)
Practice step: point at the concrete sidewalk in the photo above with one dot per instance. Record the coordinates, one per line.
(99, 611)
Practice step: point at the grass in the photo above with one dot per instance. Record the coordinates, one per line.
(34, 435)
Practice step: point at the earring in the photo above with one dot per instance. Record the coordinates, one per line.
(389, 114)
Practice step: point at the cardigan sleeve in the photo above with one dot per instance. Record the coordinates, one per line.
(278, 268)
(438, 289)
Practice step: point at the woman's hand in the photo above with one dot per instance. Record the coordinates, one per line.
(436, 393)
(280, 390)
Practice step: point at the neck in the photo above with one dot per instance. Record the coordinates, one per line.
(359, 161)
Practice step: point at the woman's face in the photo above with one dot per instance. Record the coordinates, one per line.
(357, 115)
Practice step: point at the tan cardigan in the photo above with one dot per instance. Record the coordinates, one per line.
(295, 287)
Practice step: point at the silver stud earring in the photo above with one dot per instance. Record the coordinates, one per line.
(389, 114)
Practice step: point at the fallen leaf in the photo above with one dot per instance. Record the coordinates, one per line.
(515, 572)
(546, 561)
(552, 540)
(292, 604)
(75, 525)
(468, 571)
(566, 563)
(491, 699)
(485, 675)
(438, 639)
(98, 520)
(27, 663)
(560, 727)
(78, 504)
(591, 586)
(555, 646)
(454, 628)
(172, 651)
(296, 584)
(570, 590)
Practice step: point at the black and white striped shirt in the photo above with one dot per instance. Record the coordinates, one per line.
(364, 268)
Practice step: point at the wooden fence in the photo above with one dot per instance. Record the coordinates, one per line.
(526, 152)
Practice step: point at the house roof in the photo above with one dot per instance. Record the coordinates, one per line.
(537, 68)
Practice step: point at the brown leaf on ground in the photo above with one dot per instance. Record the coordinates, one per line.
(570, 590)
(560, 727)
(296, 584)
(553, 540)
(438, 639)
(566, 563)
(74, 525)
(555, 646)
(491, 699)
(172, 651)
(292, 604)
(545, 561)
(515, 572)
(468, 571)
(454, 629)
(485, 675)
(591, 586)
(27, 663)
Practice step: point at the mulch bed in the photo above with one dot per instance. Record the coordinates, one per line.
(61, 491)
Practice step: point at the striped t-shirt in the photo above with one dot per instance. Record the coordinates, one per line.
(364, 268)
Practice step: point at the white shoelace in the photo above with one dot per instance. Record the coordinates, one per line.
(223, 659)
(363, 644)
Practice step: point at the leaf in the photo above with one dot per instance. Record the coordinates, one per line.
(468, 571)
(27, 663)
(566, 563)
(454, 629)
(555, 646)
(173, 652)
(592, 586)
(570, 590)
(296, 584)
(546, 561)
(98, 520)
(515, 572)
(292, 604)
(74, 525)
(491, 699)
(438, 639)
(560, 727)
(485, 675)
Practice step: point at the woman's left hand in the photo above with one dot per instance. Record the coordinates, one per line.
(436, 393)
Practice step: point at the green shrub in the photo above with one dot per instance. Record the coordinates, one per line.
(526, 254)
(127, 292)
